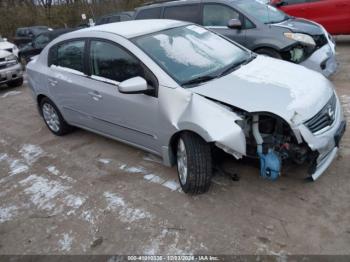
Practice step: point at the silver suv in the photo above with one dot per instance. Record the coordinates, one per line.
(179, 91)
(10, 69)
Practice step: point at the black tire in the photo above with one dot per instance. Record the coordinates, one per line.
(15, 83)
(198, 162)
(269, 52)
(64, 128)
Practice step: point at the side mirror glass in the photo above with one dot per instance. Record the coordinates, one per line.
(135, 85)
(234, 24)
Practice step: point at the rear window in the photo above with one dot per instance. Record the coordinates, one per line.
(189, 13)
(150, 13)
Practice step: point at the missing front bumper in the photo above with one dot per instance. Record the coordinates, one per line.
(326, 160)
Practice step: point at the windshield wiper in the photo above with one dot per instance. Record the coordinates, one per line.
(235, 66)
(199, 80)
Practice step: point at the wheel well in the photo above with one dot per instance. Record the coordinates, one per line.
(173, 144)
(39, 99)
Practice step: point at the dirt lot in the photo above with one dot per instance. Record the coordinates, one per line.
(87, 194)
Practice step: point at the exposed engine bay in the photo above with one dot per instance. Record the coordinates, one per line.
(270, 139)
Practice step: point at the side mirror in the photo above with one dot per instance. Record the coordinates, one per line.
(5, 39)
(234, 24)
(135, 85)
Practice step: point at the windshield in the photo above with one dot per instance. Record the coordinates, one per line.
(264, 13)
(191, 52)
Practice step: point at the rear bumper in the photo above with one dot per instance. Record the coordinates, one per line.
(323, 60)
(11, 73)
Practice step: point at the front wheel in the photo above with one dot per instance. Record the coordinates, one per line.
(194, 163)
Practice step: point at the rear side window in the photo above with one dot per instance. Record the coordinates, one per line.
(150, 13)
(68, 55)
(189, 13)
(218, 15)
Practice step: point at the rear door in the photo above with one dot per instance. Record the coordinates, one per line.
(68, 82)
(217, 16)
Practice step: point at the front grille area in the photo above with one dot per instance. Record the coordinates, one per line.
(320, 40)
(323, 118)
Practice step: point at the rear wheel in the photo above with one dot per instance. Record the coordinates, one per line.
(269, 52)
(53, 118)
(15, 83)
(194, 163)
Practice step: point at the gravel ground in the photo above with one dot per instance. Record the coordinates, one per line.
(85, 194)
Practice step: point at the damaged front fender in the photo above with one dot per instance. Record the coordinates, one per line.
(215, 123)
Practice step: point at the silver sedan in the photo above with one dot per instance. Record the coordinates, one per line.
(181, 91)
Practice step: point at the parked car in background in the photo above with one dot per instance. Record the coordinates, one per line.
(180, 91)
(334, 15)
(7, 46)
(10, 69)
(117, 17)
(257, 26)
(25, 35)
(39, 42)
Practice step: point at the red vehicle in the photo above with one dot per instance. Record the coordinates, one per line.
(334, 15)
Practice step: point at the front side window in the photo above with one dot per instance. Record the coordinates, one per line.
(71, 55)
(114, 63)
(189, 13)
(189, 52)
(266, 14)
(218, 15)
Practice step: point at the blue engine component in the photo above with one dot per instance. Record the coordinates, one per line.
(270, 165)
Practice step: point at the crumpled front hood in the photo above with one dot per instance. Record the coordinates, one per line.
(299, 25)
(266, 84)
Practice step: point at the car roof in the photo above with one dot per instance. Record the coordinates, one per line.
(134, 28)
(160, 3)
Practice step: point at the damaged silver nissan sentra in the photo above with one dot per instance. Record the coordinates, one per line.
(179, 91)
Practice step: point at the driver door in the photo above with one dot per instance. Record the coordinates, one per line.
(130, 117)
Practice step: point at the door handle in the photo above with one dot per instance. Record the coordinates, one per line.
(95, 95)
(53, 82)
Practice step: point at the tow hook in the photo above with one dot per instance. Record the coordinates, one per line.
(270, 163)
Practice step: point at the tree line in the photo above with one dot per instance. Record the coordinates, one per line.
(56, 13)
